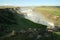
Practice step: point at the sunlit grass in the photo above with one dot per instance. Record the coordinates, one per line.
(58, 33)
(45, 10)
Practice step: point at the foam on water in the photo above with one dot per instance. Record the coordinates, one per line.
(35, 17)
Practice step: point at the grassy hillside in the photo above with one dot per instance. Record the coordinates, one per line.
(11, 20)
(51, 13)
(18, 23)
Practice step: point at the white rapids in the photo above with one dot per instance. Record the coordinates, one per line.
(35, 17)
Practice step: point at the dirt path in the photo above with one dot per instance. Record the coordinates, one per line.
(9, 35)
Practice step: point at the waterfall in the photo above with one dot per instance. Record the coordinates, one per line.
(35, 17)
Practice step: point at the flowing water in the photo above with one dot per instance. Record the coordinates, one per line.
(35, 17)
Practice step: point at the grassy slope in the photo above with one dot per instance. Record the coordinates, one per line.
(50, 13)
(24, 23)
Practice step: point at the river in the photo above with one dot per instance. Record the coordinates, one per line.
(35, 17)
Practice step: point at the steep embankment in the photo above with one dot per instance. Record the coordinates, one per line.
(11, 20)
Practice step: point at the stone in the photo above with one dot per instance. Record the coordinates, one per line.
(30, 35)
(39, 36)
(22, 31)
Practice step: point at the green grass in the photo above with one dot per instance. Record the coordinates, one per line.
(58, 33)
(54, 11)
(23, 23)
